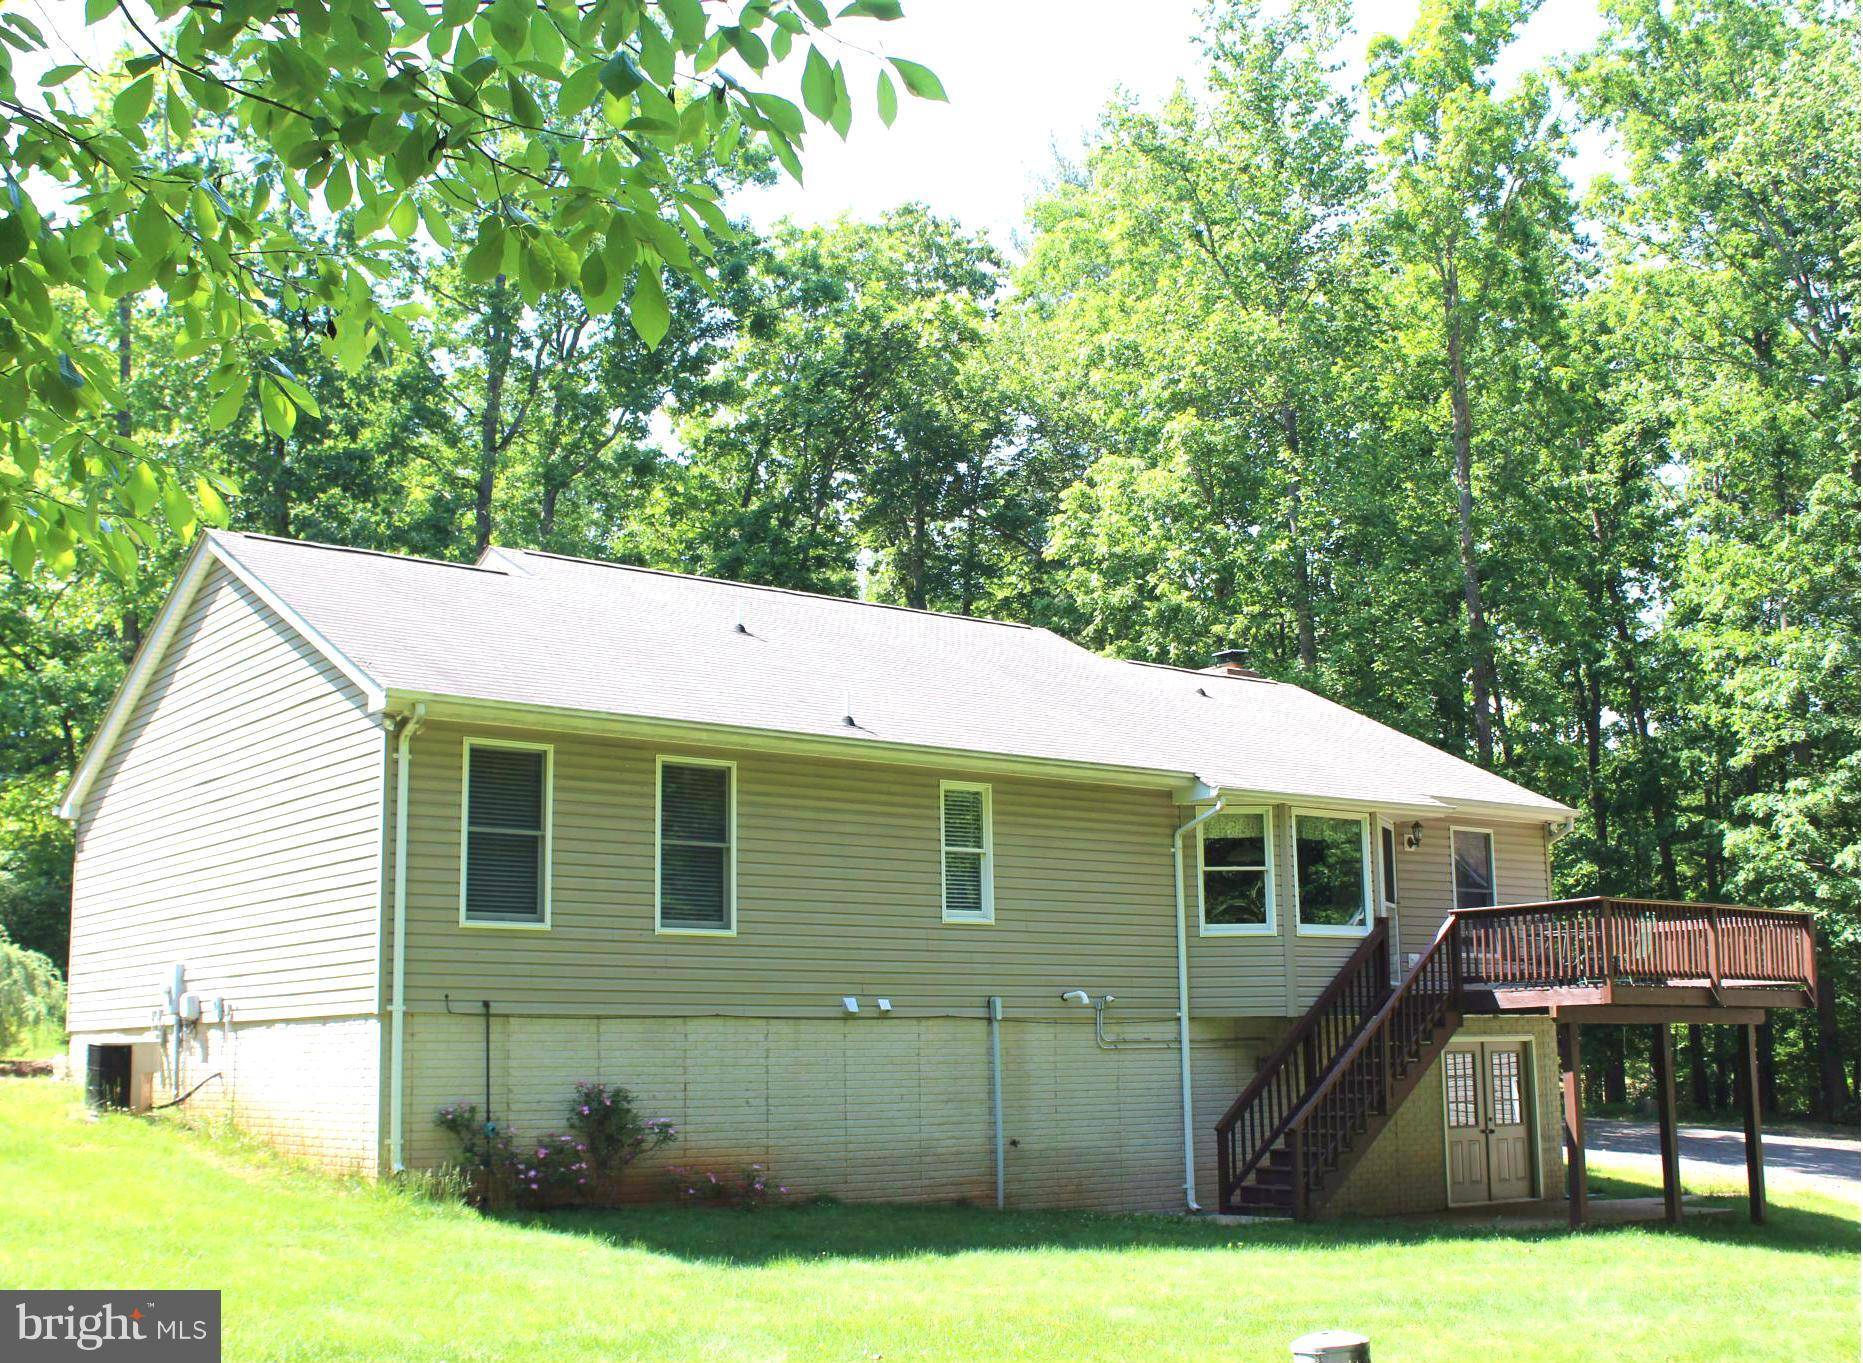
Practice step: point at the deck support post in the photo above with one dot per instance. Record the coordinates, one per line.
(1570, 1067)
(1747, 1081)
(1662, 1065)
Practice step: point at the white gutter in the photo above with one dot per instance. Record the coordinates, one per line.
(397, 1005)
(1183, 1007)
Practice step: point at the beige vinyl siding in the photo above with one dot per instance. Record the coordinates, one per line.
(235, 828)
(1425, 880)
(838, 892)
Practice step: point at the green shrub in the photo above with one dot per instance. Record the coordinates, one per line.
(32, 994)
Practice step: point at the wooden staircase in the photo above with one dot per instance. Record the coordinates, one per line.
(1286, 1144)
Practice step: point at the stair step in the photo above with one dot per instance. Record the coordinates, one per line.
(1252, 1200)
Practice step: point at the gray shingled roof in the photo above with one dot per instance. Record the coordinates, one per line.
(566, 634)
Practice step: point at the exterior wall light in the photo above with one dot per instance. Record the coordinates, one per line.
(1414, 838)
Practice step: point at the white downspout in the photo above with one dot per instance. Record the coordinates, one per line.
(397, 1005)
(1183, 1007)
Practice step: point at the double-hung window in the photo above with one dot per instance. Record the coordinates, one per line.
(1473, 852)
(697, 845)
(1237, 879)
(504, 874)
(1332, 854)
(969, 870)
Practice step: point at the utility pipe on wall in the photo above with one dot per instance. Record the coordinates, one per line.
(996, 1089)
(1183, 1006)
(397, 1006)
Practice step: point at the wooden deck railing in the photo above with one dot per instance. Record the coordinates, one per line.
(1258, 1118)
(1370, 1075)
(1604, 940)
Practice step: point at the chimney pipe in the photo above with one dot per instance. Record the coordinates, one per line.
(1234, 663)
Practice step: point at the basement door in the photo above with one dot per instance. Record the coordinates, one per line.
(1490, 1141)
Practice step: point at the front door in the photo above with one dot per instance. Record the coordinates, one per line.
(1490, 1140)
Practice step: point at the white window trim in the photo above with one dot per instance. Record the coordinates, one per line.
(465, 815)
(660, 763)
(1367, 876)
(1494, 864)
(1272, 928)
(1385, 897)
(988, 915)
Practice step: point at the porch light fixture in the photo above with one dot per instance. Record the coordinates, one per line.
(1414, 838)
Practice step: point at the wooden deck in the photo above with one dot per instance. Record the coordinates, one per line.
(1289, 1141)
(1604, 959)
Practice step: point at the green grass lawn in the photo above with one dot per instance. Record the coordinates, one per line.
(314, 1268)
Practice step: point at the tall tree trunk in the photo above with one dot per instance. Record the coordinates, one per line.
(1297, 546)
(277, 506)
(1833, 1096)
(1768, 1068)
(1462, 436)
(1591, 715)
(130, 635)
(491, 417)
(1698, 1092)
(1616, 1084)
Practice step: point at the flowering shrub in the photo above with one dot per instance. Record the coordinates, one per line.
(614, 1132)
(556, 1170)
(747, 1190)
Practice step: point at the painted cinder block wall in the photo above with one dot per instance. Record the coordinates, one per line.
(1405, 1168)
(866, 1108)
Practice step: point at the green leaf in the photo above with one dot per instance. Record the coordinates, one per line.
(621, 77)
(888, 100)
(132, 103)
(818, 85)
(225, 408)
(13, 239)
(213, 510)
(509, 21)
(687, 19)
(580, 90)
(140, 489)
(487, 251)
(920, 80)
(21, 552)
(96, 11)
(647, 309)
(206, 216)
(656, 54)
(749, 46)
(178, 509)
(815, 11)
(523, 105)
(873, 9)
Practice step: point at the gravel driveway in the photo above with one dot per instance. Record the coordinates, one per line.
(1828, 1164)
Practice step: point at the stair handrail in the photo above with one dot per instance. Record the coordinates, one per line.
(1374, 945)
(1445, 940)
